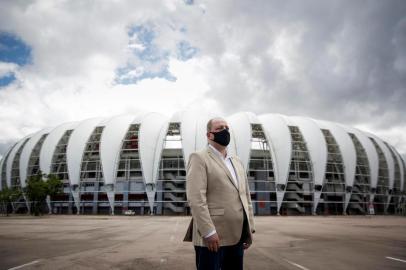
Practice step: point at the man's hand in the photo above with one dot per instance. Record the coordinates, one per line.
(213, 242)
(245, 245)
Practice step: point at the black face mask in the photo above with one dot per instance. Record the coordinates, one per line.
(222, 137)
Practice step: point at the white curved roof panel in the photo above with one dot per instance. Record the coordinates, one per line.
(316, 146)
(401, 167)
(153, 126)
(232, 146)
(11, 157)
(26, 153)
(188, 132)
(1, 166)
(76, 147)
(193, 131)
(370, 151)
(348, 154)
(50, 143)
(278, 136)
(241, 133)
(4, 162)
(280, 142)
(404, 173)
(177, 117)
(389, 159)
(1, 181)
(347, 149)
(111, 142)
(288, 120)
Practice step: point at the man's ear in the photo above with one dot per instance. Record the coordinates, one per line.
(208, 135)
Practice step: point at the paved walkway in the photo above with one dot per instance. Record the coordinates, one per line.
(155, 242)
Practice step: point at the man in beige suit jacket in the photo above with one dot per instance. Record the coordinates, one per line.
(219, 197)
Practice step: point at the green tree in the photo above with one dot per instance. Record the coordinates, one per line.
(39, 187)
(54, 185)
(36, 191)
(7, 196)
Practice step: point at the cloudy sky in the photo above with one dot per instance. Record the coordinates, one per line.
(343, 61)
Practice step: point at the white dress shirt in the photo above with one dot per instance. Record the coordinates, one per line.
(230, 167)
(227, 162)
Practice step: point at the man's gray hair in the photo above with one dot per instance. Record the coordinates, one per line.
(210, 123)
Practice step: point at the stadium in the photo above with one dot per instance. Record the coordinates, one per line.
(295, 165)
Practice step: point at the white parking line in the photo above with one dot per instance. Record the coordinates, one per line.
(297, 265)
(396, 259)
(24, 265)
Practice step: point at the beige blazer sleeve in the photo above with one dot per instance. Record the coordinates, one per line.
(196, 188)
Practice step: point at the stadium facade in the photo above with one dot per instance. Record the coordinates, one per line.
(295, 165)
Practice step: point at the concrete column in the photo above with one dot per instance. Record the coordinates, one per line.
(95, 197)
(27, 204)
(126, 191)
(347, 198)
(316, 199)
(13, 208)
(70, 204)
(76, 197)
(48, 200)
(159, 187)
(150, 189)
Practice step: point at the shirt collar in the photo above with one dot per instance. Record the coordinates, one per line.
(219, 154)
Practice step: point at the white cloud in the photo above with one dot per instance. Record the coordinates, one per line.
(7, 69)
(336, 61)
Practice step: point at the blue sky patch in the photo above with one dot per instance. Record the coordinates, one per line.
(146, 59)
(131, 75)
(6, 80)
(144, 37)
(14, 50)
(186, 51)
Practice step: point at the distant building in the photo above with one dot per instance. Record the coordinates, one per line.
(295, 165)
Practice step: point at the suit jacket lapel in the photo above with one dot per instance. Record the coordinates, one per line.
(222, 165)
(237, 173)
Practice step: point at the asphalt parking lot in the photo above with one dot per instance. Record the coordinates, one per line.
(155, 242)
